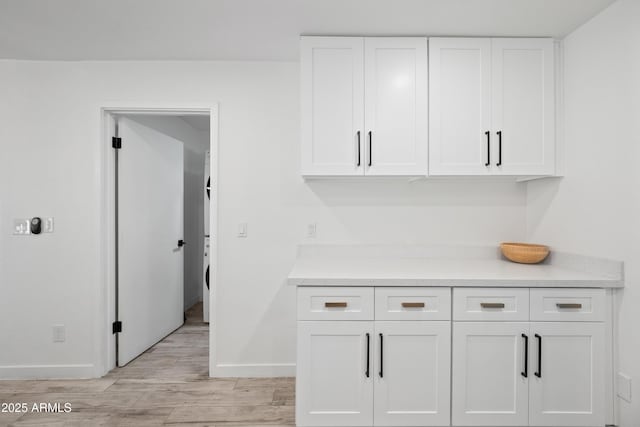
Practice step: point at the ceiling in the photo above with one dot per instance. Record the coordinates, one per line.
(258, 29)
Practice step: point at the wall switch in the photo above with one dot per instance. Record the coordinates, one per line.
(312, 230)
(242, 229)
(47, 225)
(624, 387)
(21, 226)
(59, 333)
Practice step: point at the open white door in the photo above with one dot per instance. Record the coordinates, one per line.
(150, 224)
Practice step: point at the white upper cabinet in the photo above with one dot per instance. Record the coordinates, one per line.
(396, 106)
(523, 107)
(332, 84)
(364, 106)
(460, 105)
(492, 106)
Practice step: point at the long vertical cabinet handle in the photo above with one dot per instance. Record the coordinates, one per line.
(525, 373)
(499, 148)
(370, 155)
(488, 148)
(381, 373)
(359, 154)
(539, 373)
(366, 373)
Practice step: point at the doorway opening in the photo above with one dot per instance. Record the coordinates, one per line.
(161, 194)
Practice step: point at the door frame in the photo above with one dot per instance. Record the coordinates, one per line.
(105, 296)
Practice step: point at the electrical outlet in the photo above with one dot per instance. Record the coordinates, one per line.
(624, 387)
(312, 230)
(59, 333)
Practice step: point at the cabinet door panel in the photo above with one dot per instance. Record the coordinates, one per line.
(460, 105)
(331, 385)
(570, 389)
(523, 106)
(488, 386)
(414, 387)
(396, 105)
(332, 82)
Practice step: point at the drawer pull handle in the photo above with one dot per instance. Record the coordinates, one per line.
(335, 304)
(492, 304)
(413, 305)
(568, 305)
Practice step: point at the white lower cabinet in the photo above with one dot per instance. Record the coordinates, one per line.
(353, 370)
(342, 365)
(559, 383)
(519, 371)
(493, 362)
(412, 366)
(567, 386)
(334, 381)
(489, 388)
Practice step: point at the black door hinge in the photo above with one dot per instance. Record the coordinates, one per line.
(117, 327)
(116, 142)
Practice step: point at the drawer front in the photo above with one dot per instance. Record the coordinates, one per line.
(335, 303)
(491, 304)
(413, 303)
(573, 305)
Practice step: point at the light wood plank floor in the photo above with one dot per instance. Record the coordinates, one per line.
(167, 385)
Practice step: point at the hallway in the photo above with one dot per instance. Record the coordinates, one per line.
(166, 385)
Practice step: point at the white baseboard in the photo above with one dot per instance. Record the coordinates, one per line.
(47, 372)
(254, 370)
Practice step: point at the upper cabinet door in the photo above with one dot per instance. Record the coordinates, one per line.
(332, 82)
(396, 106)
(460, 106)
(523, 107)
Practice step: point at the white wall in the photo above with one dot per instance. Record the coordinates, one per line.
(595, 209)
(195, 143)
(50, 137)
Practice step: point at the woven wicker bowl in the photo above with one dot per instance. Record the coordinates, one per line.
(524, 253)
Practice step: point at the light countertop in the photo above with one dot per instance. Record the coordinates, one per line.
(424, 271)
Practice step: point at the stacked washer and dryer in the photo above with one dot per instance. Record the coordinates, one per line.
(205, 264)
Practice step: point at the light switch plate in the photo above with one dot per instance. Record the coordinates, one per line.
(624, 387)
(242, 229)
(59, 333)
(47, 225)
(21, 226)
(312, 230)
